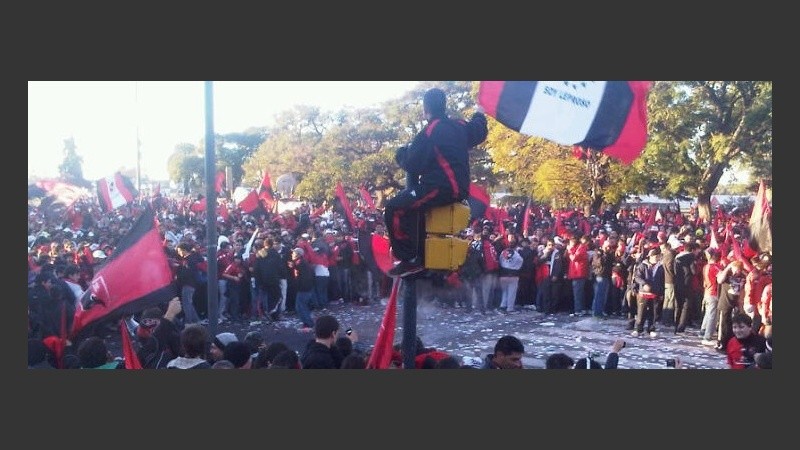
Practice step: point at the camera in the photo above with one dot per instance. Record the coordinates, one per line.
(671, 362)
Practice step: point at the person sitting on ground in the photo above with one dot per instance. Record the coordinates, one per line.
(194, 338)
(286, 359)
(354, 361)
(507, 354)
(559, 361)
(158, 336)
(39, 355)
(745, 344)
(321, 353)
(93, 354)
(223, 364)
(449, 362)
(612, 360)
(217, 349)
(256, 342)
(239, 354)
(266, 356)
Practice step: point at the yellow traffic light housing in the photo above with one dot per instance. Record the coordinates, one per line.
(443, 249)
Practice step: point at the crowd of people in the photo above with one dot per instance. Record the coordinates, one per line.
(664, 273)
(664, 279)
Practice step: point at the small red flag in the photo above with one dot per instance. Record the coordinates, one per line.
(381, 354)
(128, 353)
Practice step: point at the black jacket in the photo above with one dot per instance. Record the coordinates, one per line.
(439, 154)
(318, 356)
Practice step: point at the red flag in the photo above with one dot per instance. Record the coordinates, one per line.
(633, 137)
(526, 219)
(219, 181)
(345, 204)
(761, 222)
(199, 205)
(367, 198)
(265, 191)
(128, 353)
(115, 191)
(317, 212)
(381, 354)
(136, 276)
(245, 199)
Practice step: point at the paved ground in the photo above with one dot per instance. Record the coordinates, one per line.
(472, 335)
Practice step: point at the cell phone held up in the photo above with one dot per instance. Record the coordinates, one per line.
(671, 362)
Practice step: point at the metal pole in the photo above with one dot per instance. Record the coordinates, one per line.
(138, 142)
(409, 292)
(211, 213)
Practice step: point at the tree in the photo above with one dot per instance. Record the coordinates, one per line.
(185, 166)
(700, 129)
(71, 168)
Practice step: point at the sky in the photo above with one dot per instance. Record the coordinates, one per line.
(104, 117)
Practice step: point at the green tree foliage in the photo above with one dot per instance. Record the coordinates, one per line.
(186, 166)
(700, 129)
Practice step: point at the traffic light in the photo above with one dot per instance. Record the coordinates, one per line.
(444, 250)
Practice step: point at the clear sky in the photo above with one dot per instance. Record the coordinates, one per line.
(104, 117)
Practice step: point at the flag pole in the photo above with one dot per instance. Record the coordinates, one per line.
(211, 213)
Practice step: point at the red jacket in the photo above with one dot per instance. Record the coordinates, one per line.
(578, 266)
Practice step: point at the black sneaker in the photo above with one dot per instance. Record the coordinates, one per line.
(405, 268)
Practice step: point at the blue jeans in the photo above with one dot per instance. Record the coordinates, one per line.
(601, 287)
(187, 305)
(321, 291)
(302, 305)
(577, 294)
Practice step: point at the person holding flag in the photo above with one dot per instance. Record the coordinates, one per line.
(437, 166)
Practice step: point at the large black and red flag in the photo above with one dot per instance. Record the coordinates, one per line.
(381, 354)
(114, 191)
(761, 222)
(344, 205)
(602, 115)
(375, 251)
(135, 277)
(478, 202)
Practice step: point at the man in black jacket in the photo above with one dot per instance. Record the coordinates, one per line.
(437, 166)
(321, 353)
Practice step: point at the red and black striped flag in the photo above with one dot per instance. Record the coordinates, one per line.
(266, 193)
(135, 277)
(344, 204)
(601, 115)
